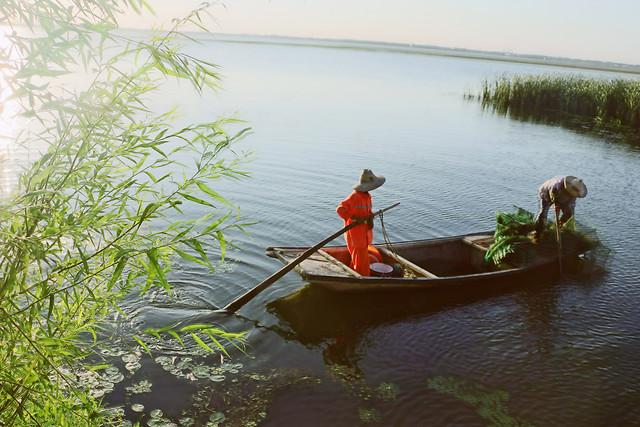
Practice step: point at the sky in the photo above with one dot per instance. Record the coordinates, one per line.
(580, 29)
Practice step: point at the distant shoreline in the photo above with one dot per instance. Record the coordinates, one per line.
(432, 50)
(420, 50)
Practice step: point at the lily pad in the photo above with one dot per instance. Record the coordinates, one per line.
(132, 366)
(156, 413)
(115, 378)
(143, 386)
(130, 358)
(217, 417)
(161, 422)
(164, 360)
(111, 370)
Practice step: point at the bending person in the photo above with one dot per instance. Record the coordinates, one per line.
(562, 192)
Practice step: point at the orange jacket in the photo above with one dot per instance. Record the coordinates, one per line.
(357, 203)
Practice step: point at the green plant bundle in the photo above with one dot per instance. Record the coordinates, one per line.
(604, 101)
(512, 243)
(100, 214)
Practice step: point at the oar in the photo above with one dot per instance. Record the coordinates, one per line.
(559, 238)
(248, 296)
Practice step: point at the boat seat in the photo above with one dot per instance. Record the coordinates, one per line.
(478, 242)
(419, 271)
(340, 264)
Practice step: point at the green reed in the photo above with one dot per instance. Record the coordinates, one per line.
(604, 101)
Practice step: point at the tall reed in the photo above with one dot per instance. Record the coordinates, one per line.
(605, 101)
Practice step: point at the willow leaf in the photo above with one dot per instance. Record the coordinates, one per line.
(201, 343)
(220, 346)
(212, 193)
(193, 328)
(215, 224)
(153, 332)
(196, 200)
(188, 257)
(176, 336)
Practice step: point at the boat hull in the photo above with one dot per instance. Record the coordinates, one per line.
(441, 263)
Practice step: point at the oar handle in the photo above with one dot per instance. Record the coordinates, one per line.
(249, 295)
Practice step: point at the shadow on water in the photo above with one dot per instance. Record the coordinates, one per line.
(313, 315)
(334, 321)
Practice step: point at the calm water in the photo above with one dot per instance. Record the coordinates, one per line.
(559, 352)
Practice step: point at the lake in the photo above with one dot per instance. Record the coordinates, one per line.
(560, 352)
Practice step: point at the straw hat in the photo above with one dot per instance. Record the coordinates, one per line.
(575, 186)
(368, 181)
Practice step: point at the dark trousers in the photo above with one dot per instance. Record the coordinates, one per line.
(566, 208)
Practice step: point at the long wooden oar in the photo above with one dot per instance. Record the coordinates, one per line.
(248, 296)
(559, 238)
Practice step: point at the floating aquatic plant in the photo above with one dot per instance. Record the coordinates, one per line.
(246, 400)
(387, 391)
(356, 385)
(157, 420)
(114, 412)
(187, 368)
(216, 419)
(132, 362)
(187, 422)
(489, 404)
(143, 386)
(369, 415)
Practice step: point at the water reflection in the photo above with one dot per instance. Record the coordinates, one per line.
(335, 322)
(626, 136)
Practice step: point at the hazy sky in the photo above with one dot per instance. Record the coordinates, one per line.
(584, 29)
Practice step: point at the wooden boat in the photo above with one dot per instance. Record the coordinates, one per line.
(432, 263)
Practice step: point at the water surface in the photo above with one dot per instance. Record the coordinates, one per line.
(560, 352)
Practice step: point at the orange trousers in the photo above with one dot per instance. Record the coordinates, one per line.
(361, 259)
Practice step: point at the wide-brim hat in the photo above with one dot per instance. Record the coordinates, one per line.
(369, 181)
(575, 187)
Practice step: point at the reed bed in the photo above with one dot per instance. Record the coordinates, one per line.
(605, 101)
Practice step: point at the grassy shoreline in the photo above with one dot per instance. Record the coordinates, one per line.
(604, 102)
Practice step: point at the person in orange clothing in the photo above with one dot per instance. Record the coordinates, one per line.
(355, 208)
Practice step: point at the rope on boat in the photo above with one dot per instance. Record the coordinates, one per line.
(387, 241)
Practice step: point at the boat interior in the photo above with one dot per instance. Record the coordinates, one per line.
(437, 258)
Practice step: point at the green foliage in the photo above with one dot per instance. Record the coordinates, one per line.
(604, 101)
(512, 243)
(100, 214)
